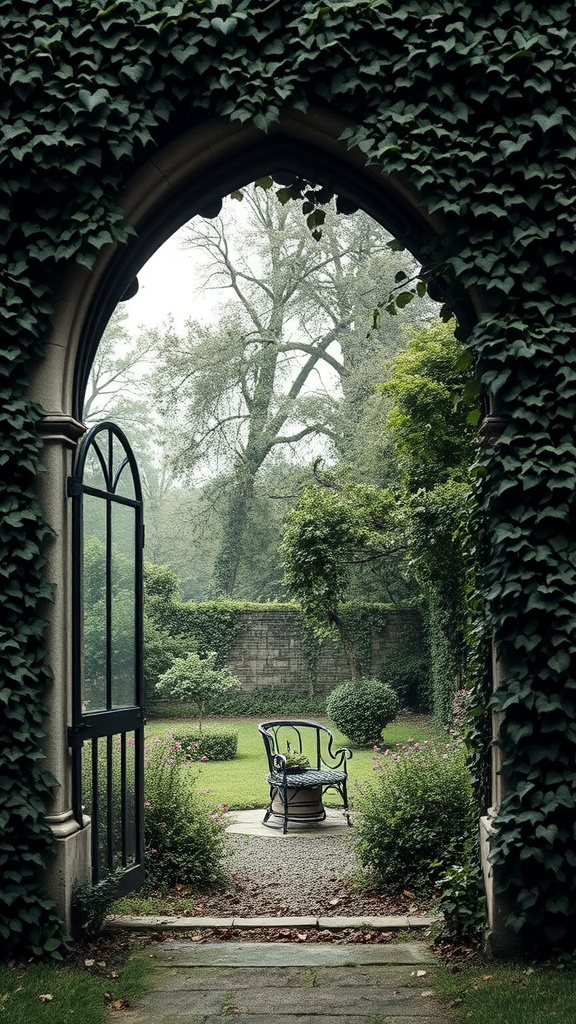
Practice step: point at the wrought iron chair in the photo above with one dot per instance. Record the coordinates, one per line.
(296, 792)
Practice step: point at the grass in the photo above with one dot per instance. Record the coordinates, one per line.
(77, 995)
(241, 783)
(509, 995)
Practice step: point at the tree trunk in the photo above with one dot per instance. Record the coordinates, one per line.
(350, 651)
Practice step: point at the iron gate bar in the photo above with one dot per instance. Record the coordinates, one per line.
(95, 811)
(123, 802)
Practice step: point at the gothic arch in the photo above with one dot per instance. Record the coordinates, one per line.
(189, 175)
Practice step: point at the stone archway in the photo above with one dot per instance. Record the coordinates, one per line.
(189, 175)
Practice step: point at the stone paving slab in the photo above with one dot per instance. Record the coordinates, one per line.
(275, 922)
(269, 1002)
(386, 923)
(283, 983)
(136, 1017)
(249, 823)
(189, 979)
(141, 922)
(176, 953)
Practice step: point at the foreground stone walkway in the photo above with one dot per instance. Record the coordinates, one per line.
(287, 983)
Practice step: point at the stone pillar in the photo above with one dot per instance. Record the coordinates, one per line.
(70, 861)
(503, 942)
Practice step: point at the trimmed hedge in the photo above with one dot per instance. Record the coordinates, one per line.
(211, 744)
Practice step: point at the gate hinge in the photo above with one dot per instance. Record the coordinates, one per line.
(73, 487)
(75, 735)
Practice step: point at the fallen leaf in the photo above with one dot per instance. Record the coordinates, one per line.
(88, 963)
(334, 902)
(427, 993)
(46, 998)
(486, 977)
(455, 1002)
(421, 974)
(120, 1004)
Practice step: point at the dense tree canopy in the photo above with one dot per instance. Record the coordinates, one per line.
(282, 370)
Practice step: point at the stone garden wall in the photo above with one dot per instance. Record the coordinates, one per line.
(269, 650)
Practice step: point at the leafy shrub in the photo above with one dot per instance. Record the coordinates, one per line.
(267, 700)
(184, 840)
(461, 901)
(195, 679)
(91, 905)
(410, 679)
(417, 815)
(160, 650)
(362, 709)
(212, 744)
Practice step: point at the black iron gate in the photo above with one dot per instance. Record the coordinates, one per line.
(107, 733)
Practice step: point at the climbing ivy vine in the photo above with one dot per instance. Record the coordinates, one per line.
(474, 105)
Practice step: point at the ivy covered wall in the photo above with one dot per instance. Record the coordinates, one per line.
(473, 104)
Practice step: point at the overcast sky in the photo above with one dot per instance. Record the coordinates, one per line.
(170, 284)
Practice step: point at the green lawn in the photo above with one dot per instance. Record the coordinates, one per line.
(241, 783)
(509, 995)
(31, 994)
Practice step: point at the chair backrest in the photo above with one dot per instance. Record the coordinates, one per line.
(304, 737)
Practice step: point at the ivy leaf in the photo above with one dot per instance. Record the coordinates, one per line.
(224, 25)
(91, 100)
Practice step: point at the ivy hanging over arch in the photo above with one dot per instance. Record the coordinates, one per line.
(474, 105)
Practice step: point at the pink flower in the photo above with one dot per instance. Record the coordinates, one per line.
(204, 759)
(162, 824)
(147, 803)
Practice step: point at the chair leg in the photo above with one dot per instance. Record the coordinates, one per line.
(285, 797)
(345, 797)
(268, 811)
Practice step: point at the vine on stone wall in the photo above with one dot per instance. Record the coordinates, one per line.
(474, 104)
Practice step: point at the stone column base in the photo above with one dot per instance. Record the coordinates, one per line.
(503, 942)
(68, 864)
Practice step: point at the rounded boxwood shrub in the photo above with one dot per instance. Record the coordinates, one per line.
(211, 744)
(361, 709)
(417, 816)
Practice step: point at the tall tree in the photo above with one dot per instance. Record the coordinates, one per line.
(267, 375)
(117, 367)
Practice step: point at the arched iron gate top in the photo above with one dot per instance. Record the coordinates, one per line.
(112, 473)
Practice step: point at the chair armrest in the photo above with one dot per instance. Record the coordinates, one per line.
(279, 763)
(339, 757)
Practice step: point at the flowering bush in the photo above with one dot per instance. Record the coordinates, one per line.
(362, 708)
(184, 840)
(417, 815)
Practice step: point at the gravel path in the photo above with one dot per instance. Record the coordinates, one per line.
(298, 876)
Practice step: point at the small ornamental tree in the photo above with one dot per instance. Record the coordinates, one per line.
(195, 679)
